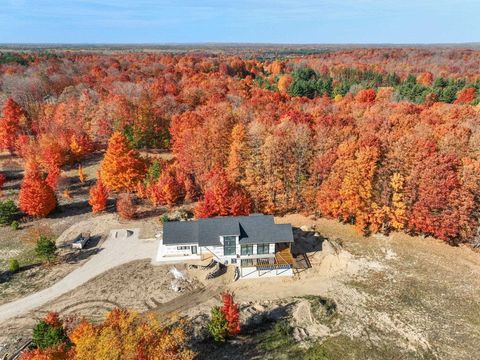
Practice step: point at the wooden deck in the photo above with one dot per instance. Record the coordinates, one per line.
(284, 257)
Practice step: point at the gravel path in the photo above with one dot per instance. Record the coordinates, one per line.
(119, 248)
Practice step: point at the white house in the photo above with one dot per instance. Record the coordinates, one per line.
(255, 244)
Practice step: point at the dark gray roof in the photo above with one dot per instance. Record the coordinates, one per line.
(253, 229)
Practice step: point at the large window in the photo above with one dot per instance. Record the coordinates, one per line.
(263, 248)
(229, 245)
(247, 250)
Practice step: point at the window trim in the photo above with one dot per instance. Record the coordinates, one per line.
(232, 248)
(246, 247)
(265, 249)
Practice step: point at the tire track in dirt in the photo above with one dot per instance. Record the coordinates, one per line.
(185, 301)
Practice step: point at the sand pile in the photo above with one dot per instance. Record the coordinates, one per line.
(306, 324)
(333, 260)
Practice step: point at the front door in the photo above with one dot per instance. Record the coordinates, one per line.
(194, 250)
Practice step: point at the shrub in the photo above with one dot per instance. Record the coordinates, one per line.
(14, 225)
(8, 210)
(218, 325)
(164, 218)
(45, 248)
(13, 266)
(126, 207)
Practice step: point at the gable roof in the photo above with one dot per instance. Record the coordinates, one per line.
(253, 229)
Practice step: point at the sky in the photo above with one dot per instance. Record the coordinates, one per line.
(239, 21)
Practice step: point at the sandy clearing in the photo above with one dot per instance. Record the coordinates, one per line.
(119, 248)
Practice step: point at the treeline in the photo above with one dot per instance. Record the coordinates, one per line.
(362, 157)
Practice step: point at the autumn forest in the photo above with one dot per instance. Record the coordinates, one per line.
(386, 139)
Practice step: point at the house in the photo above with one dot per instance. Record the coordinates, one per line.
(254, 244)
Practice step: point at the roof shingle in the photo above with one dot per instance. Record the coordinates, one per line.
(253, 229)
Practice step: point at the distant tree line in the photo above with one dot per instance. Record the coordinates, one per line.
(309, 83)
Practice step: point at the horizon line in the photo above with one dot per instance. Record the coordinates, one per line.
(236, 43)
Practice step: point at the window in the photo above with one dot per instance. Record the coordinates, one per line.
(183, 247)
(229, 245)
(247, 250)
(263, 248)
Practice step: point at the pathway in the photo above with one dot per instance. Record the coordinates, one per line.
(121, 247)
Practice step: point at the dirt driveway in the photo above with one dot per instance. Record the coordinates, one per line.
(121, 246)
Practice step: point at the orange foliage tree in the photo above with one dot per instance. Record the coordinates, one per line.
(122, 335)
(238, 154)
(81, 174)
(127, 335)
(425, 78)
(166, 190)
(366, 96)
(98, 197)
(121, 168)
(10, 124)
(398, 207)
(36, 198)
(284, 83)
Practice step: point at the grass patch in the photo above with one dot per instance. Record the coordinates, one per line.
(343, 347)
(278, 342)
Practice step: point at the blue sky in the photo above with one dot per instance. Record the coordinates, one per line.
(266, 21)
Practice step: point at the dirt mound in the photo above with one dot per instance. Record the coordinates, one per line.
(333, 260)
(306, 323)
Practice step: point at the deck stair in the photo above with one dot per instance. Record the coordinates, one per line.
(284, 257)
(218, 270)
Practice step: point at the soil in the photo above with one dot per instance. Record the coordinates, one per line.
(395, 296)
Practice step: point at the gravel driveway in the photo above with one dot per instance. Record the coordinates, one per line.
(121, 246)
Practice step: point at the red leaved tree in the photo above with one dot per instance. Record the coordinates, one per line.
(36, 198)
(56, 352)
(3, 178)
(366, 96)
(222, 198)
(230, 310)
(466, 96)
(98, 197)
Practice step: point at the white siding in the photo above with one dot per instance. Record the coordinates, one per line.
(168, 253)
